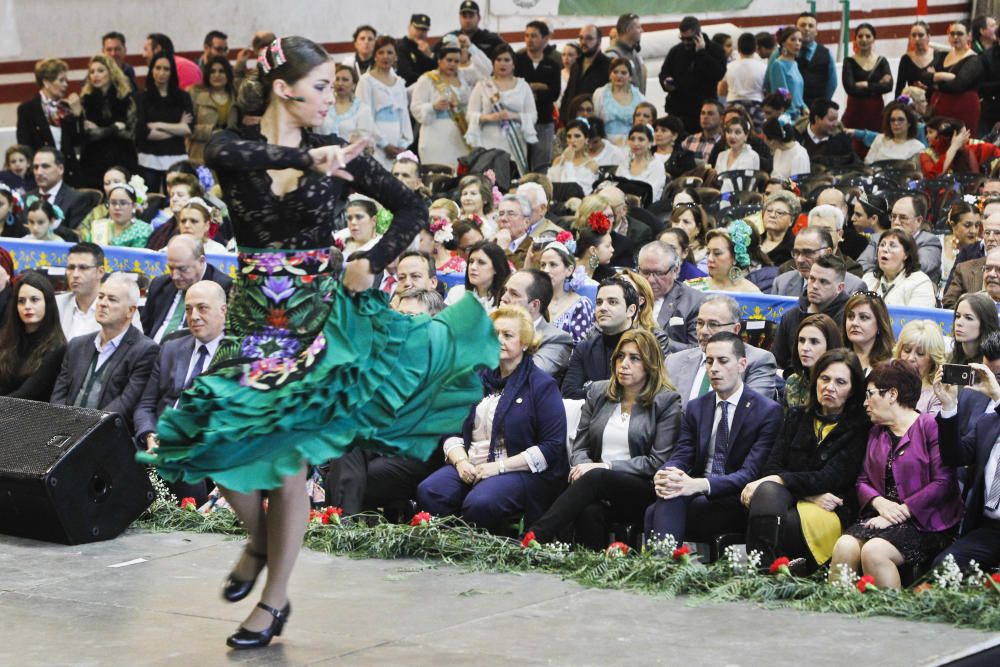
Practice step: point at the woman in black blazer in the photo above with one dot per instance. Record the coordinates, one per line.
(31, 340)
(800, 506)
(627, 430)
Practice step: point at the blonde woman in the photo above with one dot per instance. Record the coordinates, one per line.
(110, 116)
(921, 344)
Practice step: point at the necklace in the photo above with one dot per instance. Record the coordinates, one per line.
(625, 412)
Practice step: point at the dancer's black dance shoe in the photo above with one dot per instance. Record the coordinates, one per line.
(244, 638)
(236, 589)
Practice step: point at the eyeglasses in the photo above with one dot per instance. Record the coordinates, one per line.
(115, 203)
(659, 275)
(869, 392)
(807, 253)
(702, 324)
(870, 294)
(777, 212)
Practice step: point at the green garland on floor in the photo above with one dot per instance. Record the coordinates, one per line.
(972, 601)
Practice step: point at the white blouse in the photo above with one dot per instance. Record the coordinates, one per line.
(915, 290)
(387, 102)
(518, 99)
(791, 162)
(614, 442)
(655, 174)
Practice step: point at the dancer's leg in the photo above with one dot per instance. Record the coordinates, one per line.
(249, 508)
(287, 518)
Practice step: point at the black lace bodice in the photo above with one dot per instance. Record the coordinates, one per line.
(304, 217)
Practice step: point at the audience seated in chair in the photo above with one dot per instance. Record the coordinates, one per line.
(626, 432)
(31, 341)
(805, 498)
(532, 290)
(725, 439)
(510, 459)
(108, 371)
(164, 311)
(181, 359)
(687, 367)
(78, 307)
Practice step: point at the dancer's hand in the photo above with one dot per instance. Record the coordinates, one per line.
(332, 160)
(357, 276)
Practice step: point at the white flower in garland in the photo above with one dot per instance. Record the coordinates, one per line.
(442, 230)
(140, 188)
(949, 575)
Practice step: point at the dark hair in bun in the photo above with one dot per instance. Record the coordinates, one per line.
(286, 58)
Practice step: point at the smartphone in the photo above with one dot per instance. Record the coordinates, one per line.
(958, 374)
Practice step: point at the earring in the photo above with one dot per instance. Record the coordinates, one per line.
(734, 274)
(593, 262)
(566, 285)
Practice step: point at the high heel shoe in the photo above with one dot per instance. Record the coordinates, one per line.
(244, 638)
(235, 589)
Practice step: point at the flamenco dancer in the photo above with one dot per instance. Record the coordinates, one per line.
(309, 366)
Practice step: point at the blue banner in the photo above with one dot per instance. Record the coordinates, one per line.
(152, 263)
(47, 254)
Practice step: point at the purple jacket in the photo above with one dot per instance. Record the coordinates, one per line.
(926, 486)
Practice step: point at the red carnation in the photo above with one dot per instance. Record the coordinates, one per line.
(919, 589)
(315, 516)
(188, 504)
(599, 223)
(867, 583)
(333, 515)
(616, 549)
(780, 566)
(564, 236)
(993, 582)
(420, 518)
(682, 554)
(529, 541)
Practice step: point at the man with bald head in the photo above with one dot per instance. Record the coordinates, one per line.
(847, 239)
(589, 72)
(908, 215)
(164, 312)
(181, 359)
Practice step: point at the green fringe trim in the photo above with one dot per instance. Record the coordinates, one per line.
(968, 602)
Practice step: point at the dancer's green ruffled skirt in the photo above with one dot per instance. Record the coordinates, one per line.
(305, 372)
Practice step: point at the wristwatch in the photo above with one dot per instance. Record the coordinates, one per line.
(502, 466)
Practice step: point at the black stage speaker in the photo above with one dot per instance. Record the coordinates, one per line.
(67, 474)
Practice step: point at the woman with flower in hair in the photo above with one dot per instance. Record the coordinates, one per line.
(575, 165)
(898, 139)
(728, 260)
(791, 159)
(443, 215)
(476, 199)
(486, 271)
(592, 226)
(952, 148)
(195, 219)
(783, 72)
(293, 331)
(643, 164)
(41, 218)
(569, 311)
(360, 233)
(121, 228)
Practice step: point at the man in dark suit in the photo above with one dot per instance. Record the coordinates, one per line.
(589, 72)
(725, 438)
(687, 369)
(532, 290)
(513, 219)
(617, 306)
(978, 447)
(52, 118)
(113, 46)
(48, 167)
(825, 294)
(108, 371)
(180, 361)
(675, 305)
(164, 311)
(468, 21)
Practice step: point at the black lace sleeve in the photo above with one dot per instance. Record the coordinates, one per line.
(228, 150)
(408, 210)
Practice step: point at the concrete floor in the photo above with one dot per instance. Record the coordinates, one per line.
(64, 605)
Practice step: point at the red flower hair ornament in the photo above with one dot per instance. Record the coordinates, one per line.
(599, 223)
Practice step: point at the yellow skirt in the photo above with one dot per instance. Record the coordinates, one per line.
(821, 529)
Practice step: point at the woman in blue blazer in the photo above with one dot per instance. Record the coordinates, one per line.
(511, 457)
(627, 430)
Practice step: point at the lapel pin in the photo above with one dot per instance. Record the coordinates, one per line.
(519, 400)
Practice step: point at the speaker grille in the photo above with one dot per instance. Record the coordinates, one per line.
(33, 435)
